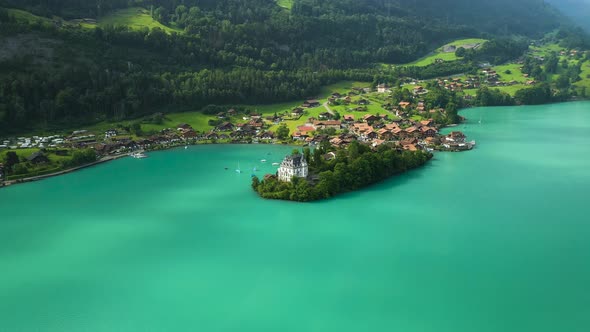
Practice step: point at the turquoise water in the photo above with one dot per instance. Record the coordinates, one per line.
(496, 239)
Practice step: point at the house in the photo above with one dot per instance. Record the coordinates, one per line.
(428, 122)
(363, 102)
(231, 112)
(306, 128)
(370, 118)
(336, 95)
(428, 131)
(455, 136)
(255, 116)
(382, 88)
(38, 158)
(327, 124)
(349, 118)
(419, 90)
(293, 166)
(404, 104)
(110, 133)
(221, 115)
(325, 115)
(371, 134)
(269, 135)
(297, 112)
(300, 136)
(311, 103)
(183, 126)
(385, 134)
(226, 126)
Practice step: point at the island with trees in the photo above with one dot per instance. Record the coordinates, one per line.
(332, 172)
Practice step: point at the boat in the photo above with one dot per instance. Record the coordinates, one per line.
(263, 161)
(238, 170)
(186, 147)
(276, 164)
(138, 155)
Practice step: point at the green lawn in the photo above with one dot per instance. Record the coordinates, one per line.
(135, 18)
(24, 16)
(287, 4)
(515, 72)
(511, 89)
(585, 75)
(545, 50)
(439, 54)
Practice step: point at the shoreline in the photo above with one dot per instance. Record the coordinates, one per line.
(9, 183)
(106, 159)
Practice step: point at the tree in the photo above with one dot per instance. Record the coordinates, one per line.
(283, 132)
(10, 160)
(460, 52)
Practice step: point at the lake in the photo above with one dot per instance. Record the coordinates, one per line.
(495, 239)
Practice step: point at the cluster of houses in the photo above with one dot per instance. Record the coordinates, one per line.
(32, 142)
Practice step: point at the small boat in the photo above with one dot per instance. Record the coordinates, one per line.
(263, 161)
(238, 170)
(186, 147)
(138, 155)
(276, 164)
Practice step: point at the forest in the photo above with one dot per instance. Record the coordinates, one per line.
(234, 51)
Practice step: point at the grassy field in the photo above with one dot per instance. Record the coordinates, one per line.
(511, 89)
(199, 121)
(515, 72)
(585, 75)
(287, 4)
(135, 18)
(439, 54)
(24, 16)
(545, 50)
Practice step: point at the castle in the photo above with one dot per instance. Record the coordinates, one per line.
(294, 165)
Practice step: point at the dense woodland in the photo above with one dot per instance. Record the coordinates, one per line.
(238, 51)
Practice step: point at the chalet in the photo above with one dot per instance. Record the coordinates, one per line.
(349, 118)
(382, 88)
(231, 112)
(325, 115)
(311, 103)
(455, 136)
(255, 116)
(419, 90)
(336, 95)
(531, 82)
(183, 126)
(428, 122)
(38, 158)
(363, 102)
(377, 143)
(404, 104)
(300, 136)
(110, 133)
(361, 128)
(269, 135)
(221, 115)
(336, 124)
(410, 147)
(413, 131)
(428, 131)
(371, 134)
(212, 136)
(385, 134)
(337, 142)
(188, 134)
(399, 133)
(297, 112)
(347, 100)
(226, 126)
(370, 118)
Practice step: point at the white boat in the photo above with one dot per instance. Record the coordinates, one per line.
(186, 147)
(138, 155)
(263, 161)
(276, 164)
(238, 170)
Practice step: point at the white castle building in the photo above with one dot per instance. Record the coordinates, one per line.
(294, 165)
